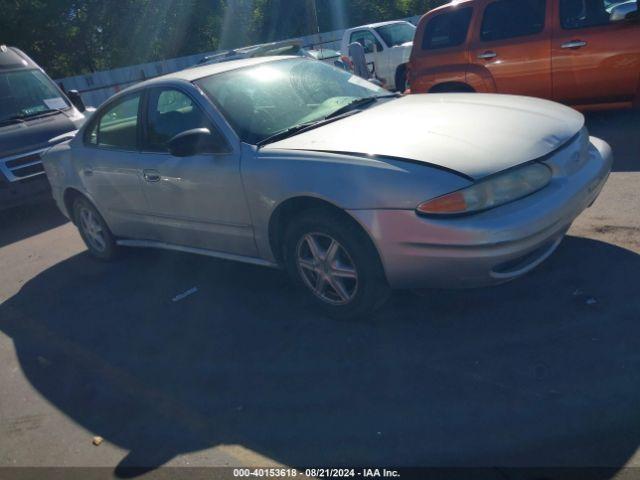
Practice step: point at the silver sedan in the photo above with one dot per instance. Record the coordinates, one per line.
(289, 162)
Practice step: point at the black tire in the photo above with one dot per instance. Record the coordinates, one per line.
(371, 289)
(401, 78)
(452, 88)
(109, 250)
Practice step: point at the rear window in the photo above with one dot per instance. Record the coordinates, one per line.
(396, 33)
(512, 18)
(447, 29)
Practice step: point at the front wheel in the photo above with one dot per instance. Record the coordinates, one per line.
(336, 264)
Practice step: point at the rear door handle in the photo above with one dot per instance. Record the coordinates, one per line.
(87, 172)
(574, 44)
(151, 176)
(487, 55)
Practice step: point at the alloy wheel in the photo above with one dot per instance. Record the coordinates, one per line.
(327, 268)
(92, 228)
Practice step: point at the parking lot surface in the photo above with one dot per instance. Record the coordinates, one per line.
(544, 371)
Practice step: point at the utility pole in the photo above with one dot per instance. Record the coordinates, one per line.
(312, 12)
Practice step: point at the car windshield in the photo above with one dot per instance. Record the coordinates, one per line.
(26, 93)
(262, 100)
(397, 33)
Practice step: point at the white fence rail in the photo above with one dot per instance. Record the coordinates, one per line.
(98, 86)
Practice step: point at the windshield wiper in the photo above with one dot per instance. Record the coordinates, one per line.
(358, 102)
(21, 118)
(10, 120)
(287, 132)
(41, 113)
(346, 110)
(302, 127)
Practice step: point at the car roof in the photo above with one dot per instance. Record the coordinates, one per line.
(13, 59)
(452, 4)
(379, 24)
(201, 71)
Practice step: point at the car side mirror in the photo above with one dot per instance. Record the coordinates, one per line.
(624, 11)
(195, 142)
(76, 99)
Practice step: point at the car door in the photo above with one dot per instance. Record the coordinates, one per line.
(374, 52)
(594, 60)
(513, 42)
(110, 166)
(196, 201)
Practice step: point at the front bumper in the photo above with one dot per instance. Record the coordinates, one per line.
(23, 192)
(491, 247)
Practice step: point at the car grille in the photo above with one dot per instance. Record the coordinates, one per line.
(22, 166)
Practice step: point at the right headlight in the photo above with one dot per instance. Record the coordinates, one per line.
(490, 193)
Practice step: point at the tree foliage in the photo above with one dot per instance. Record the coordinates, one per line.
(69, 37)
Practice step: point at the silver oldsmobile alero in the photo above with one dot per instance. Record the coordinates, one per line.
(290, 162)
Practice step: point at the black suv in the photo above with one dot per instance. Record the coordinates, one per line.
(34, 115)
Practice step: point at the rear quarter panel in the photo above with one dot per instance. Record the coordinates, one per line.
(432, 67)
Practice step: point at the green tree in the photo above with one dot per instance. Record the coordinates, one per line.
(70, 37)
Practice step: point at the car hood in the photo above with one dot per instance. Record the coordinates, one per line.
(34, 134)
(473, 134)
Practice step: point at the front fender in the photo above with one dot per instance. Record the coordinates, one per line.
(62, 175)
(347, 181)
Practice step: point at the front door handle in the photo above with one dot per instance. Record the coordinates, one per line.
(87, 172)
(574, 44)
(487, 55)
(151, 176)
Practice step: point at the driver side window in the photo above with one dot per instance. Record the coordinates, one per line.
(170, 112)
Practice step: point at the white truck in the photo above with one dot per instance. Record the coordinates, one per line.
(387, 47)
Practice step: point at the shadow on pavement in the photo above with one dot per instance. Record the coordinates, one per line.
(22, 222)
(540, 372)
(621, 129)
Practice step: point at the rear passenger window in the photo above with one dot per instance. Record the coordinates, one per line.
(447, 29)
(117, 127)
(584, 13)
(512, 18)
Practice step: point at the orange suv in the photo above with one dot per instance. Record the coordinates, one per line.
(584, 53)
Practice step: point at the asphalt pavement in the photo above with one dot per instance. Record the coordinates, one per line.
(543, 371)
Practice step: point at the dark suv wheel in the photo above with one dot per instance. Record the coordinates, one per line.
(94, 230)
(335, 262)
(401, 78)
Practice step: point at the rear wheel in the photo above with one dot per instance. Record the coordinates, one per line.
(94, 230)
(336, 264)
(452, 88)
(401, 78)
